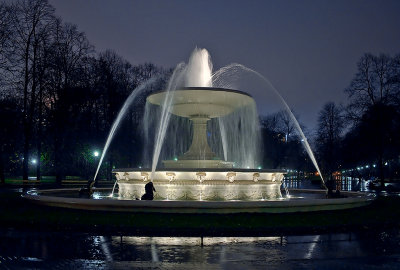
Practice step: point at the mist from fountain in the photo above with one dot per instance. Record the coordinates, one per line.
(198, 72)
(239, 137)
(128, 102)
(233, 70)
(243, 147)
(174, 81)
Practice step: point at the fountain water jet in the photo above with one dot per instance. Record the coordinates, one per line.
(190, 95)
(250, 188)
(233, 68)
(128, 102)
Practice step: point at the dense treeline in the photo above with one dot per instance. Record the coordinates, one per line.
(58, 96)
(363, 137)
(283, 147)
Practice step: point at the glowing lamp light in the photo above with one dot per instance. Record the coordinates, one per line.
(231, 176)
(386, 163)
(259, 167)
(374, 165)
(170, 176)
(175, 159)
(96, 153)
(200, 176)
(145, 176)
(34, 161)
(256, 176)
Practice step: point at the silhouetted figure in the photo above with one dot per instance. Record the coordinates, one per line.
(149, 189)
(330, 185)
(88, 191)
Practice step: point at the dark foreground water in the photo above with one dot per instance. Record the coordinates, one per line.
(360, 250)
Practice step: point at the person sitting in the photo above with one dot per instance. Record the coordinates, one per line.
(149, 189)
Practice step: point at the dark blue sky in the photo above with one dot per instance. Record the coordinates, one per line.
(307, 49)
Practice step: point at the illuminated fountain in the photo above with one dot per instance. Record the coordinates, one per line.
(199, 174)
(203, 177)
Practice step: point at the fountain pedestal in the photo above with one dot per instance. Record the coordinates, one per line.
(199, 174)
(200, 104)
(199, 154)
(199, 148)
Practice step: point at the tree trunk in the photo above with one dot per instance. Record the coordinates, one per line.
(381, 172)
(57, 159)
(27, 128)
(39, 139)
(2, 176)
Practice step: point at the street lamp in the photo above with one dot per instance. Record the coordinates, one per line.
(96, 153)
(33, 161)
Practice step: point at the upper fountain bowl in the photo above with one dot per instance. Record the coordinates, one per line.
(203, 101)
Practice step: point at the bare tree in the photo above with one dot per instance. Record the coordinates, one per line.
(5, 33)
(331, 125)
(373, 83)
(373, 93)
(29, 17)
(282, 123)
(69, 54)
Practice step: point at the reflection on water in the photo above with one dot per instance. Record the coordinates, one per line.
(71, 251)
(342, 183)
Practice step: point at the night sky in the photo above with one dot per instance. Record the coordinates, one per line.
(307, 49)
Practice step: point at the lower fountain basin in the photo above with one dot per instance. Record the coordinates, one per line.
(202, 184)
(300, 201)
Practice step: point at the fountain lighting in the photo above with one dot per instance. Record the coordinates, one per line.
(170, 176)
(206, 153)
(145, 176)
(200, 176)
(256, 176)
(122, 113)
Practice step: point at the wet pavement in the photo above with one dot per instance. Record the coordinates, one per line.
(365, 249)
(38, 250)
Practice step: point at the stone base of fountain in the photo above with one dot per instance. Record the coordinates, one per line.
(202, 185)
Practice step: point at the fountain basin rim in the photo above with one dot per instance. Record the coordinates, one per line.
(200, 170)
(355, 199)
(206, 88)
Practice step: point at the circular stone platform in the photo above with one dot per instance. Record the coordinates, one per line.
(301, 201)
